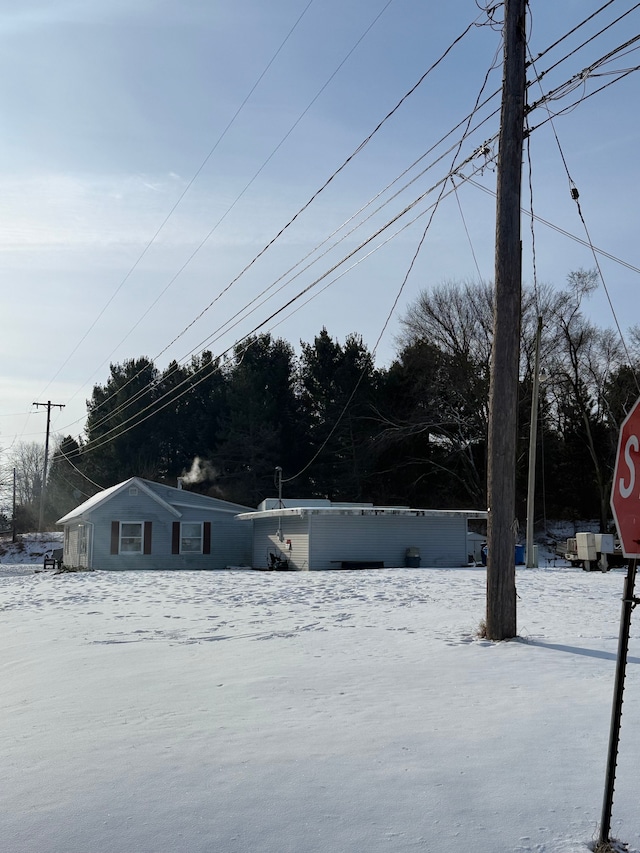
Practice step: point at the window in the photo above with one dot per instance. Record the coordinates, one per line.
(191, 537)
(131, 537)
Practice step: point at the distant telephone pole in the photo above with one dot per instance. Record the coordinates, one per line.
(503, 393)
(14, 528)
(43, 490)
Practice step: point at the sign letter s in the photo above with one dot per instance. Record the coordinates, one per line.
(632, 442)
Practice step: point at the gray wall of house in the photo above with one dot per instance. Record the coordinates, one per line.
(442, 540)
(230, 539)
(265, 540)
(321, 541)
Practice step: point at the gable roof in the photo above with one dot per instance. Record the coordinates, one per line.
(168, 497)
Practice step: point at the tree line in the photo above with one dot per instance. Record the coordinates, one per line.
(412, 433)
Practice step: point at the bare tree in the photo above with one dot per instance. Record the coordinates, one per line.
(28, 460)
(582, 360)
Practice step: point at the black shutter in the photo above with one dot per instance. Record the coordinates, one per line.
(115, 537)
(147, 537)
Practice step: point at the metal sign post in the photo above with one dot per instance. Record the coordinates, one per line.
(625, 505)
(628, 603)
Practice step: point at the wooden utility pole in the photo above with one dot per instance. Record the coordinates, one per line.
(503, 393)
(14, 529)
(43, 490)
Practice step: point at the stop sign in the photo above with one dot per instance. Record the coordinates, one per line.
(625, 490)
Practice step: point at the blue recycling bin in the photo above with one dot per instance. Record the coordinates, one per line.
(519, 555)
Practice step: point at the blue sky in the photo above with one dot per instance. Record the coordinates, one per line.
(110, 109)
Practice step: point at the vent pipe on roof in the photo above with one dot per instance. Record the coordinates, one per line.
(179, 482)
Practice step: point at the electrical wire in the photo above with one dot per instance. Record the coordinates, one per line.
(244, 312)
(180, 198)
(575, 195)
(60, 453)
(574, 29)
(594, 64)
(360, 147)
(542, 74)
(605, 58)
(489, 10)
(321, 244)
(581, 77)
(443, 186)
(153, 408)
(536, 294)
(229, 209)
(375, 235)
(402, 285)
(466, 230)
(562, 231)
(534, 128)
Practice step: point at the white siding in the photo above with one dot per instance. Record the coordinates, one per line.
(442, 540)
(71, 555)
(265, 540)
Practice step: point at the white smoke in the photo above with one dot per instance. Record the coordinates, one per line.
(200, 470)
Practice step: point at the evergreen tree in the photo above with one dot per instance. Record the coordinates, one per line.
(337, 386)
(66, 485)
(122, 440)
(259, 428)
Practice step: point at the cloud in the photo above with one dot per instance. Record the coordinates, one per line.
(28, 16)
(65, 210)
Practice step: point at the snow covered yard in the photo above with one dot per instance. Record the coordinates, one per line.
(334, 712)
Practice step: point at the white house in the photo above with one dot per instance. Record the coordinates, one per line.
(139, 524)
(320, 535)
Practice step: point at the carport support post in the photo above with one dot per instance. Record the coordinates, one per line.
(628, 603)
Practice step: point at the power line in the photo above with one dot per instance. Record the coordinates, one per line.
(575, 195)
(342, 167)
(402, 285)
(212, 230)
(153, 408)
(317, 193)
(580, 46)
(182, 194)
(360, 247)
(581, 77)
(562, 231)
(326, 183)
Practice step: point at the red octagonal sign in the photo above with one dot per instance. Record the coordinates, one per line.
(625, 490)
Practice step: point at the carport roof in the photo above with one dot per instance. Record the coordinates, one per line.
(302, 511)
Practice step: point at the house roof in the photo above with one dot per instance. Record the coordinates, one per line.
(355, 510)
(169, 497)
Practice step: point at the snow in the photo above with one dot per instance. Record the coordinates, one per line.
(236, 711)
(27, 553)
